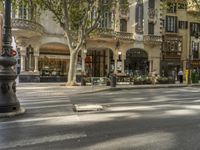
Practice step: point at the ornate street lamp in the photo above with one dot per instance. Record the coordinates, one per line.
(9, 104)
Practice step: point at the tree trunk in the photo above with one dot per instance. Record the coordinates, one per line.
(75, 65)
(72, 69)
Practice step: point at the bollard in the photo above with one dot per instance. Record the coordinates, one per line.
(83, 82)
(113, 80)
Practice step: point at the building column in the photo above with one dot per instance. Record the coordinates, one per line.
(150, 66)
(115, 59)
(108, 61)
(36, 55)
(123, 57)
(30, 59)
(36, 64)
(23, 55)
(154, 65)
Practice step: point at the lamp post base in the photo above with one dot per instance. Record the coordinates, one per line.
(8, 99)
(12, 114)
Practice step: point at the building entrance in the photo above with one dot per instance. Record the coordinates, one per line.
(98, 63)
(136, 62)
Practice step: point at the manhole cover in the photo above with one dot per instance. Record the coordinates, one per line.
(89, 107)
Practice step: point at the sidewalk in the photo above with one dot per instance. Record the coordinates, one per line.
(100, 88)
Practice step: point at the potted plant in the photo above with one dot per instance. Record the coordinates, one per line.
(163, 80)
(147, 80)
(138, 80)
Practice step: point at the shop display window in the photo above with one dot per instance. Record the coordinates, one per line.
(53, 66)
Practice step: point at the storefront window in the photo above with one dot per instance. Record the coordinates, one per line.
(136, 62)
(53, 66)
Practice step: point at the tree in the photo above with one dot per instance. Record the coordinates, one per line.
(78, 18)
(189, 3)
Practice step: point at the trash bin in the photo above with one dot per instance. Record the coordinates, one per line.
(113, 80)
(83, 82)
(196, 78)
(108, 82)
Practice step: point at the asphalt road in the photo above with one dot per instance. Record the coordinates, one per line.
(143, 119)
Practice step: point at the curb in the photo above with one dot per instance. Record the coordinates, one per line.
(118, 88)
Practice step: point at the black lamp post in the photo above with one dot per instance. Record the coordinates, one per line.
(189, 62)
(9, 104)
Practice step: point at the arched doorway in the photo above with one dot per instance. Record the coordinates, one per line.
(136, 62)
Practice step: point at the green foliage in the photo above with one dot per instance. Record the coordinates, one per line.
(142, 80)
(78, 16)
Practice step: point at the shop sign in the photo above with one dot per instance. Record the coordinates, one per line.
(169, 55)
(55, 56)
(194, 63)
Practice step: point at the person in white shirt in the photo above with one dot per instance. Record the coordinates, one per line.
(180, 75)
(154, 77)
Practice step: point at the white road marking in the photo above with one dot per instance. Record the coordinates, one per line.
(69, 120)
(40, 140)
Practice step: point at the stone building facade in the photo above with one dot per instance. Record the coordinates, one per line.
(133, 41)
(181, 25)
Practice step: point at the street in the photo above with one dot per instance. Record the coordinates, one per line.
(137, 119)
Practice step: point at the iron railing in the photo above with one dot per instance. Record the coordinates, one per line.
(152, 38)
(110, 33)
(124, 35)
(27, 25)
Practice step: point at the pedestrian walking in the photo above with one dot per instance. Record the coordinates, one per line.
(180, 75)
(154, 77)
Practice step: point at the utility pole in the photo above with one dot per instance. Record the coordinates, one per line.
(189, 68)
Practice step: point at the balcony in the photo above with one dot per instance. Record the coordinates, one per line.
(102, 33)
(26, 28)
(124, 35)
(105, 33)
(110, 34)
(152, 39)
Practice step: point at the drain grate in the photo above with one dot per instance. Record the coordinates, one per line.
(87, 107)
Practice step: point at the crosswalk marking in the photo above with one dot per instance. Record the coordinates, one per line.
(39, 107)
(66, 120)
(45, 108)
(40, 140)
